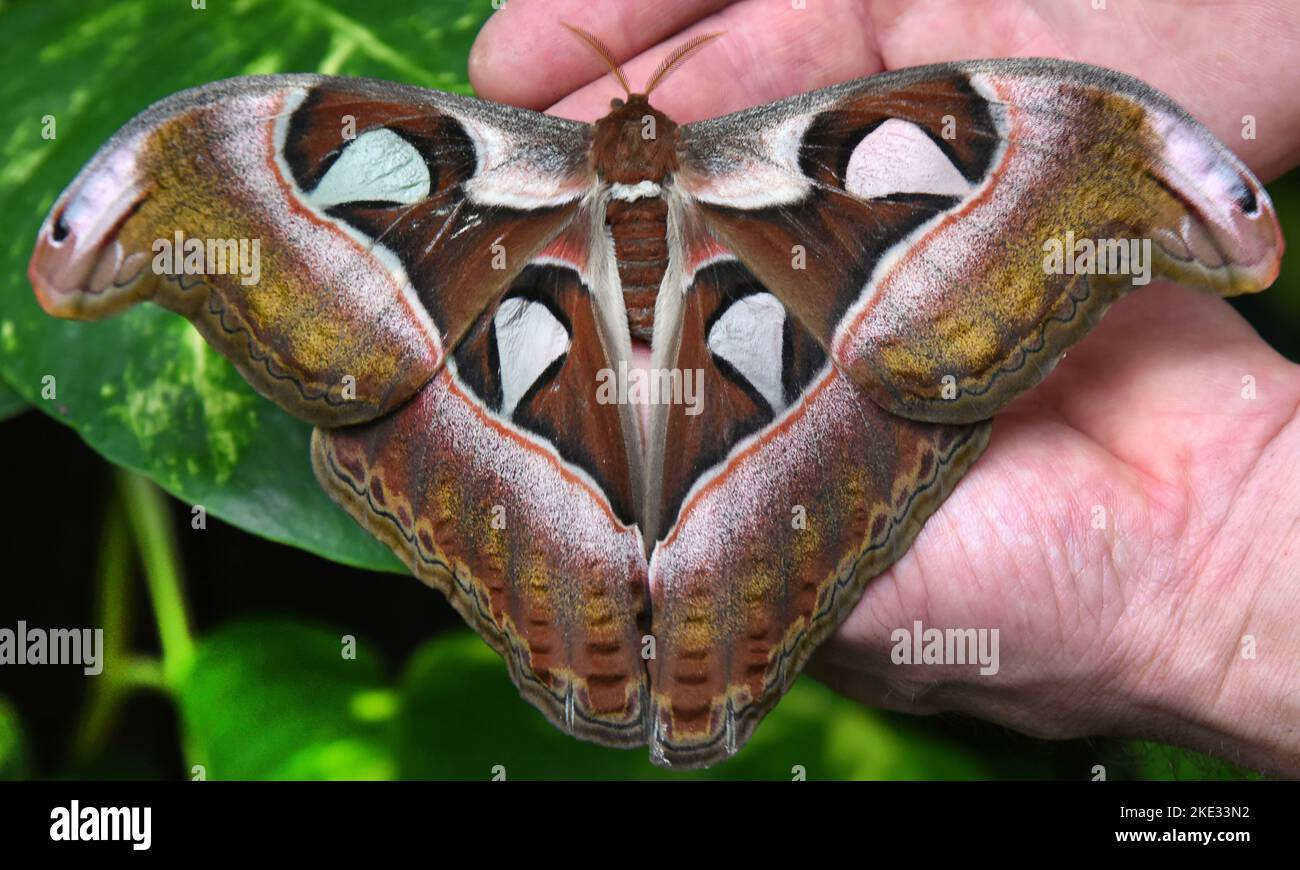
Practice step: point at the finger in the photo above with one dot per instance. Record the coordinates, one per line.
(525, 57)
(1211, 57)
(767, 50)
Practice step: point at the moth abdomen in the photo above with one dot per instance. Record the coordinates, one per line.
(639, 229)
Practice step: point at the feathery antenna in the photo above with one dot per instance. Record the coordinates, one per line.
(679, 54)
(603, 50)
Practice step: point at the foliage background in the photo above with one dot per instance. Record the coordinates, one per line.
(223, 649)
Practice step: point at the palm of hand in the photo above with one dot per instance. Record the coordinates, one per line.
(1129, 480)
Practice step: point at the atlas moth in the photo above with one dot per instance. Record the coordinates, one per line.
(855, 276)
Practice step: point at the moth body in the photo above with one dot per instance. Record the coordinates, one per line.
(634, 153)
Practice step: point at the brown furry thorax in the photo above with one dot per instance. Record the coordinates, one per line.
(635, 142)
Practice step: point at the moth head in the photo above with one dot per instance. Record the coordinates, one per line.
(635, 141)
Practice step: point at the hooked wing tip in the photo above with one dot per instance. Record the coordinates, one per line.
(1230, 233)
(81, 267)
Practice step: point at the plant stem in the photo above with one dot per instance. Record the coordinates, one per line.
(143, 672)
(155, 540)
(113, 614)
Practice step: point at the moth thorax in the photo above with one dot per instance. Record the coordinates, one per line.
(635, 142)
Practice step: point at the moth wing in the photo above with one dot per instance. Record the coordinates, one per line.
(505, 484)
(385, 217)
(909, 220)
(771, 501)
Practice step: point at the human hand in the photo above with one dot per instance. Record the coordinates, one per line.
(1134, 628)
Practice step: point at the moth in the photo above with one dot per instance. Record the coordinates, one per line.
(853, 281)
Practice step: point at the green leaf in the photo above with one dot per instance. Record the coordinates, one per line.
(1158, 761)
(273, 699)
(143, 389)
(10, 402)
(13, 743)
(462, 718)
